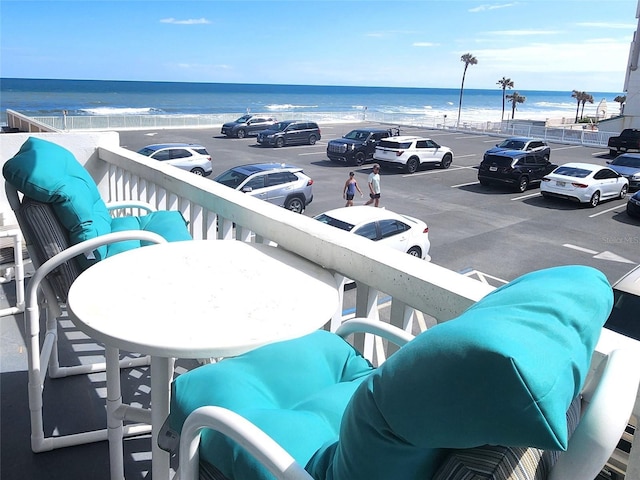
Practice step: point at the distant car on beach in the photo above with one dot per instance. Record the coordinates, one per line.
(247, 125)
(187, 156)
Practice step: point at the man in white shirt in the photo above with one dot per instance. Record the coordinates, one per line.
(374, 186)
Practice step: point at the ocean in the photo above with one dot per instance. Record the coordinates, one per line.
(41, 97)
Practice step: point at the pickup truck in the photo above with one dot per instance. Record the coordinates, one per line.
(629, 139)
(357, 146)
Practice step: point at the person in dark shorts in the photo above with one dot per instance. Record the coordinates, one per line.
(349, 190)
(374, 186)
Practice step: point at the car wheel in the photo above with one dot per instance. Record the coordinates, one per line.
(279, 142)
(595, 199)
(312, 140)
(545, 195)
(241, 133)
(359, 160)
(613, 153)
(415, 252)
(446, 161)
(523, 183)
(412, 165)
(198, 171)
(623, 192)
(295, 204)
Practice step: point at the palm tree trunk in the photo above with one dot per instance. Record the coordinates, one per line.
(504, 88)
(461, 89)
(577, 110)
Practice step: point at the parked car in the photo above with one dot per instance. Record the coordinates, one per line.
(247, 125)
(629, 139)
(516, 168)
(584, 183)
(357, 146)
(187, 156)
(290, 132)
(411, 152)
(628, 165)
(624, 317)
(277, 183)
(538, 148)
(633, 205)
(401, 232)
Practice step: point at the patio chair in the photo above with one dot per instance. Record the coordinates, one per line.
(67, 227)
(510, 371)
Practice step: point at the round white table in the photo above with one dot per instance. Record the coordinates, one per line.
(193, 299)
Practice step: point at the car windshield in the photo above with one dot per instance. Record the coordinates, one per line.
(624, 316)
(243, 119)
(512, 144)
(623, 161)
(334, 222)
(280, 126)
(231, 178)
(395, 145)
(147, 152)
(498, 160)
(357, 135)
(572, 172)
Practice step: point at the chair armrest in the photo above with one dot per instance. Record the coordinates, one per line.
(375, 327)
(266, 450)
(607, 414)
(122, 204)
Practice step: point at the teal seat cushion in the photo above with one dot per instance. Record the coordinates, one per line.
(49, 173)
(503, 373)
(167, 223)
(296, 391)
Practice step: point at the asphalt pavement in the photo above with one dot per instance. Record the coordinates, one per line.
(491, 233)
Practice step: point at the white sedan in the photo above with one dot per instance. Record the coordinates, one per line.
(584, 183)
(401, 232)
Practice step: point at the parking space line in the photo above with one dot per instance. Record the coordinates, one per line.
(607, 210)
(465, 184)
(597, 154)
(537, 194)
(471, 136)
(321, 152)
(580, 249)
(429, 172)
(568, 147)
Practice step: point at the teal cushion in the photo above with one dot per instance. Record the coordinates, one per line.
(49, 173)
(296, 391)
(503, 373)
(167, 223)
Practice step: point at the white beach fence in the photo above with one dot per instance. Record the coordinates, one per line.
(560, 130)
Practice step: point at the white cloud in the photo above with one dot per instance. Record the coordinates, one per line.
(484, 8)
(520, 33)
(191, 21)
(624, 26)
(425, 44)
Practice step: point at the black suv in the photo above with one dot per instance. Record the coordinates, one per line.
(513, 167)
(290, 132)
(247, 125)
(357, 146)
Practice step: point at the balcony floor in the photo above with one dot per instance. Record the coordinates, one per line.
(72, 404)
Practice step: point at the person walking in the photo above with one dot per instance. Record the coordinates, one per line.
(349, 190)
(374, 186)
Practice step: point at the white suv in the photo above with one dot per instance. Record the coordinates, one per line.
(411, 152)
(187, 156)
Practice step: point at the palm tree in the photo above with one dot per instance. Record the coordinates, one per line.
(515, 98)
(578, 95)
(587, 97)
(621, 99)
(468, 59)
(504, 83)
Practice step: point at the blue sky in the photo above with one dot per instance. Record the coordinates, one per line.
(539, 44)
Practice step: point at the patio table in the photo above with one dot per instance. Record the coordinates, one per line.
(194, 299)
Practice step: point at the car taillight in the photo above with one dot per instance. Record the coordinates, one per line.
(309, 183)
(426, 230)
(545, 179)
(399, 152)
(579, 185)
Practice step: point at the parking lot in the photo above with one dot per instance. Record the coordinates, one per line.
(490, 233)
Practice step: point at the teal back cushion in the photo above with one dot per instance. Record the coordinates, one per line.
(296, 391)
(49, 173)
(503, 373)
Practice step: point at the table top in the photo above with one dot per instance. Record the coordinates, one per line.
(197, 299)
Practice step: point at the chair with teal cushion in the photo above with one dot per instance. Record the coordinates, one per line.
(67, 228)
(505, 372)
